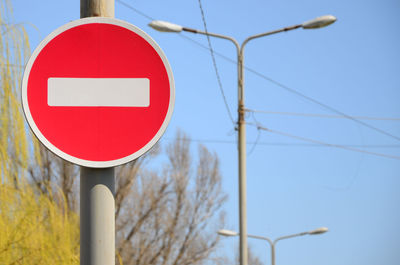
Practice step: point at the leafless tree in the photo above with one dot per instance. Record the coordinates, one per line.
(165, 215)
(252, 258)
(51, 174)
(170, 215)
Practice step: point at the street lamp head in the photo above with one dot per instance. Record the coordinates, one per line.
(164, 26)
(319, 22)
(225, 232)
(317, 231)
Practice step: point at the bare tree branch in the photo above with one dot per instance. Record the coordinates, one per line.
(164, 215)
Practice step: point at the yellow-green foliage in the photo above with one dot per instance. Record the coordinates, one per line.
(14, 49)
(34, 228)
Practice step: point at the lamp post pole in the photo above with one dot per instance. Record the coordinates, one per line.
(272, 243)
(164, 26)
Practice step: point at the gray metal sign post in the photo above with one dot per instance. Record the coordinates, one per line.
(97, 216)
(97, 203)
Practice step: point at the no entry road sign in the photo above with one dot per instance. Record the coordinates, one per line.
(98, 92)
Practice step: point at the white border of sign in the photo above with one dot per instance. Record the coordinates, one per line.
(83, 162)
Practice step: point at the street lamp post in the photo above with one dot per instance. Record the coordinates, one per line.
(164, 26)
(272, 243)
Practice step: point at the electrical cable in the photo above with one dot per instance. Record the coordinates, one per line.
(215, 63)
(324, 105)
(255, 143)
(258, 135)
(291, 90)
(208, 48)
(321, 115)
(218, 141)
(135, 10)
(324, 143)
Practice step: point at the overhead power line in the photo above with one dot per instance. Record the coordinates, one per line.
(322, 115)
(135, 10)
(349, 148)
(291, 90)
(283, 144)
(208, 48)
(215, 63)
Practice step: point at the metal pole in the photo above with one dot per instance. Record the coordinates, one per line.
(97, 8)
(273, 243)
(242, 162)
(243, 255)
(273, 253)
(97, 214)
(97, 186)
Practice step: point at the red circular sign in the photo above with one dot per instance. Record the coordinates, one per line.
(98, 92)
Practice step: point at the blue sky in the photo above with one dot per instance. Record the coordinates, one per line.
(293, 186)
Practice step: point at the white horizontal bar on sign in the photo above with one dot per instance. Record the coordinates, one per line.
(98, 92)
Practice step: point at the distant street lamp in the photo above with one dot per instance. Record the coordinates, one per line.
(164, 26)
(272, 243)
